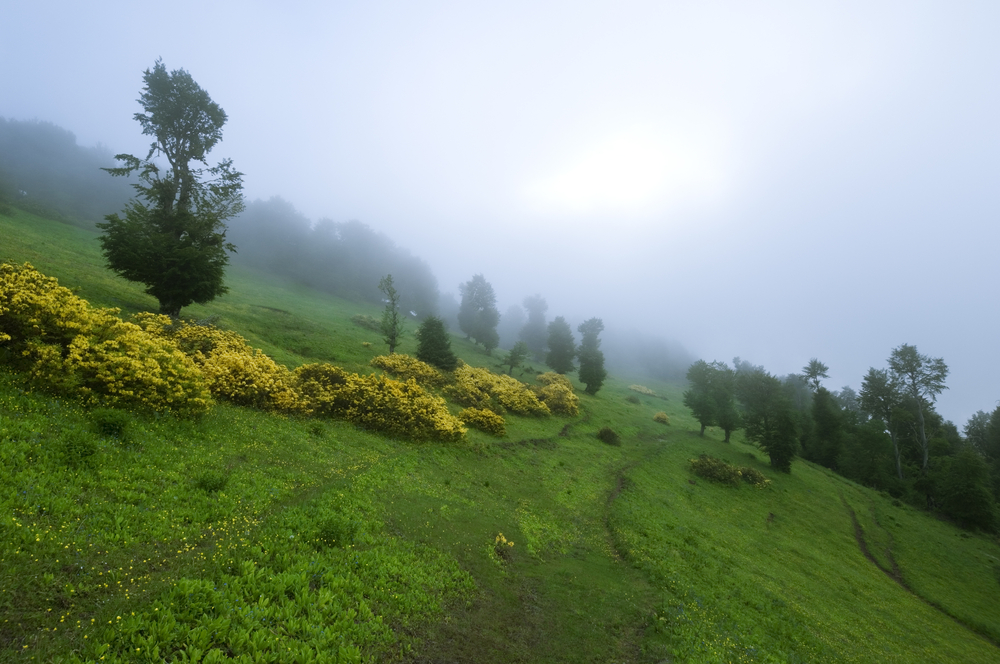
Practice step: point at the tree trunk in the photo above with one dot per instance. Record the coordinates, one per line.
(923, 436)
(702, 430)
(170, 309)
(895, 449)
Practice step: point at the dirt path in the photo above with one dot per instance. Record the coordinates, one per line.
(895, 573)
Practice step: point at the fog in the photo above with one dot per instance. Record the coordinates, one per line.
(777, 181)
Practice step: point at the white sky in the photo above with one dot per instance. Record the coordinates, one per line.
(775, 180)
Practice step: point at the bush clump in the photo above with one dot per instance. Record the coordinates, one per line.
(111, 423)
(69, 347)
(661, 417)
(481, 388)
(367, 322)
(556, 392)
(484, 420)
(78, 447)
(609, 436)
(377, 403)
(720, 471)
(641, 389)
(211, 481)
(405, 367)
(633, 399)
(233, 370)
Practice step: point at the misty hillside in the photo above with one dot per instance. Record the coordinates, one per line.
(248, 533)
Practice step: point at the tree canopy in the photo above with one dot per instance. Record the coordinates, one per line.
(768, 417)
(535, 332)
(434, 346)
(712, 396)
(478, 315)
(921, 378)
(562, 346)
(173, 235)
(592, 372)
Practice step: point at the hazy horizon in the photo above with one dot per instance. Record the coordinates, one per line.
(776, 182)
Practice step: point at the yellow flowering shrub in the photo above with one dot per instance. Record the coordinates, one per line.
(484, 420)
(557, 393)
(481, 388)
(233, 370)
(72, 348)
(661, 417)
(377, 403)
(405, 367)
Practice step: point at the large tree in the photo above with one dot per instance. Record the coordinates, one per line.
(562, 346)
(592, 372)
(392, 321)
(535, 332)
(478, 315)
(173, 234)
(712, 396)
(882, 399)
(921, 378)
(699, 396)
(768, 416)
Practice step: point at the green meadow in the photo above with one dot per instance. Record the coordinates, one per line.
(255, 537)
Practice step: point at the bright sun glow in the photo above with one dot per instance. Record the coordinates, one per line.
(633, 171)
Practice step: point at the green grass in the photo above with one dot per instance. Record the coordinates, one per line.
(305, 540)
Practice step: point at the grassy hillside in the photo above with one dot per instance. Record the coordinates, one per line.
(297, 539)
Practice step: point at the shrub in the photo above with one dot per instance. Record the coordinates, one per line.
(633, 399)
(642, 390)
(69, 347)
(111, 423)
(484, 420)
(211, 481)
(78, 447)
(481, 388)
(233, 370)
(377, 403)
(608, 435)
(754, 477)
(405, 367)
(335, 530)
(367, 322)
(556, 392)
(661, 417)
(718, 470)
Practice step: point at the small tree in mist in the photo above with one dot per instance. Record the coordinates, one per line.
(535, 332)
(592, 372)
(477, 314)
(392, 323)
(434, 346)
(562, 346)
(515, 357)
(173, 235)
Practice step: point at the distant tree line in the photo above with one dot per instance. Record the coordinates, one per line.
(44, 171)
(348, 259)
(888, 436)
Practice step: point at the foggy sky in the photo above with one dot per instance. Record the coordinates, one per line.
(772, 180)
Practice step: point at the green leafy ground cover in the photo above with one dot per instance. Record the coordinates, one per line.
(255, 537)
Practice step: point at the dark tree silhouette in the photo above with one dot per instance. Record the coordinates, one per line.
(173, 235)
